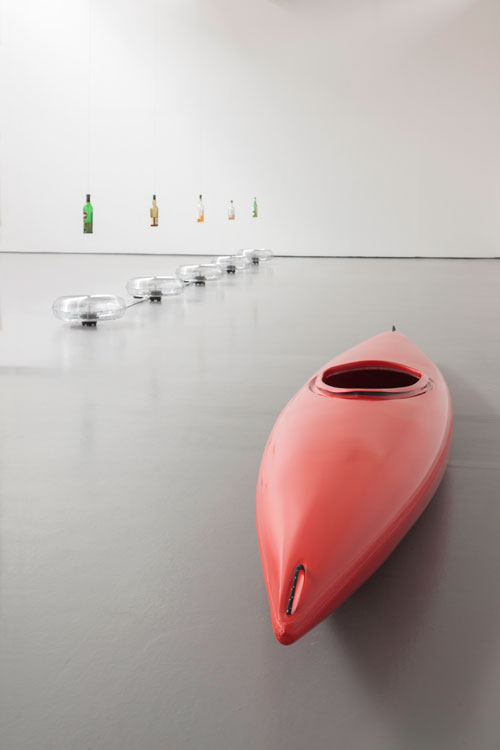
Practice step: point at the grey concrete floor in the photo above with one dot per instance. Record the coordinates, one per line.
(133, 609)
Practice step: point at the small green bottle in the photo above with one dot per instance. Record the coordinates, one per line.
(88, 216)
(255, 211)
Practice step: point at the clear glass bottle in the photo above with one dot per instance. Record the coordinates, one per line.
(201, 210)
(231, 212)
(88, 216)
(153, 212)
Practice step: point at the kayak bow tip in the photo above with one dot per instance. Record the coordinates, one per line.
(286, 628)
(284, 634)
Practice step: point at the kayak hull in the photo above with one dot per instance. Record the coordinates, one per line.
(351, 463)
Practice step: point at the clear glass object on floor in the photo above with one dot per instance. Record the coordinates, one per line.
(199, 274)
(88, 216)
(258, 256)
(231, 212)
(153, 212)
(89, 309)
(232, 263)
(154, 287)
(201, 210)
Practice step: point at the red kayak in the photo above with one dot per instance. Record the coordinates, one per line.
(350, 465)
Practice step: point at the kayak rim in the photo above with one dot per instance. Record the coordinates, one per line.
(370, 379)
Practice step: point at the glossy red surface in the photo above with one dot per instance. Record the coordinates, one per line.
(345, 474)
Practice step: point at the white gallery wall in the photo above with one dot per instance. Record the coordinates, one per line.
(363, 127)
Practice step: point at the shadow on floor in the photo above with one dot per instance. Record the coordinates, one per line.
(421, 632)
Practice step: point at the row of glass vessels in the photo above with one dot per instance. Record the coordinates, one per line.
(88, 309)
(88, 213)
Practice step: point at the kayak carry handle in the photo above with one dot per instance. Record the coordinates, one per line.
(294, 586)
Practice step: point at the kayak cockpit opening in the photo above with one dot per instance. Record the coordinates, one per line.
(371, 379)
(296, 589)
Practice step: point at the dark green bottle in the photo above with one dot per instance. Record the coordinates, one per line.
(88, 216)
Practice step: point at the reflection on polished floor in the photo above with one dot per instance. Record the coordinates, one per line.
(133, 609)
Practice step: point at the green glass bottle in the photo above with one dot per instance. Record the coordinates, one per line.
(88, 216)
(255, 211)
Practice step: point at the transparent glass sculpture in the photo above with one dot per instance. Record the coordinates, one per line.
(154, 287)
(258, 256)
(232, 263)
(199, 274)
(88, 309)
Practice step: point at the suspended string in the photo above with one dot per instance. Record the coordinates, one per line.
(1, 134)
(155, 106)
(201, 189)
(89, 94)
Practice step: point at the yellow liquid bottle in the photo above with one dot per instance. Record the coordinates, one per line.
(153, 212)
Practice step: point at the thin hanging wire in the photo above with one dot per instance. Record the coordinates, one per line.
(201, 102)
(89, 94)
(155, 106)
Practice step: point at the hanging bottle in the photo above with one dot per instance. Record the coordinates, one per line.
(255, 210)
(201, 210)
(231, 214)
(153, 211)
(88, 216)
